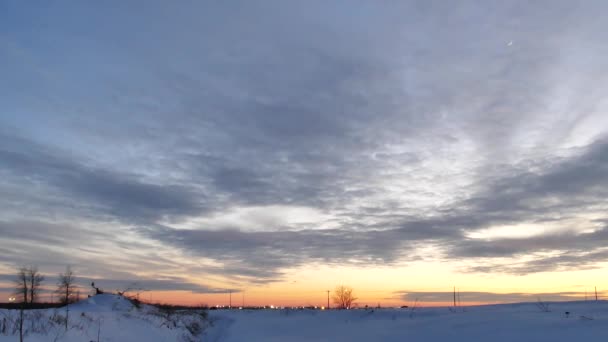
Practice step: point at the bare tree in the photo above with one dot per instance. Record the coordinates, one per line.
(28, 284)
(34, 279)
(344, 297)
(66, 288)
(22, 292)
(27, 288)
(22, 285)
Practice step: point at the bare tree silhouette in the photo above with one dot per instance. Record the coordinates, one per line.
(22, 292)
(22, 286)
(344, 297)
(66, 288)
(34, 279)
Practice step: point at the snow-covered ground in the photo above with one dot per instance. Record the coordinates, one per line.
(105, 318)
(587, 321)
(117, 320)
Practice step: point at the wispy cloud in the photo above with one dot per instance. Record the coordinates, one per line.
(394, 126)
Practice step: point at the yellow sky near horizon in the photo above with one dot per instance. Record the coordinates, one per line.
(385, 286)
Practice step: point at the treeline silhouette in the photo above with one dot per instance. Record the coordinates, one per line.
(32, 306)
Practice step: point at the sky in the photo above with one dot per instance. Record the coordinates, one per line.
(277, 149)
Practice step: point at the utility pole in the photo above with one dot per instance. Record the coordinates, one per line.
(596, 293)
(327, 299)
(230, 300)
(454, 296)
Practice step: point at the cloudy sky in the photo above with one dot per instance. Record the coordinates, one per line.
(281, 148)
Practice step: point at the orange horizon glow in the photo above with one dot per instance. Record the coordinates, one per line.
(388, 286)
(261, 300)
(306, 299)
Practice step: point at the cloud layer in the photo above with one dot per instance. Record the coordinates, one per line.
(241, 140)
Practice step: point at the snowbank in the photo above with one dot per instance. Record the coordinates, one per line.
(105, 318)
(116, 319)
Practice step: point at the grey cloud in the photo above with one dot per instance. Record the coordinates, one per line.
(134, 284)
(339, 110)
(49, 233)
(144, 284)
(264, 255)
(576, 179)
(488, 297)
(563, 190)
(119, 194)
(547, 242)
(570, 260)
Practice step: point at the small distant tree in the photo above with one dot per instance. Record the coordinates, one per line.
(542, 306)
(344, 297)
(66, 288)
(34, 279)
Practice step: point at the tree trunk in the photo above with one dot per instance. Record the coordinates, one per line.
(67, 303)
(21, 324)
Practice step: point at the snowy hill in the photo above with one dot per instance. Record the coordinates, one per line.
(108, 318)
(116, 319)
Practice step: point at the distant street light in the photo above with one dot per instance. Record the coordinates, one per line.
(11, 299)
